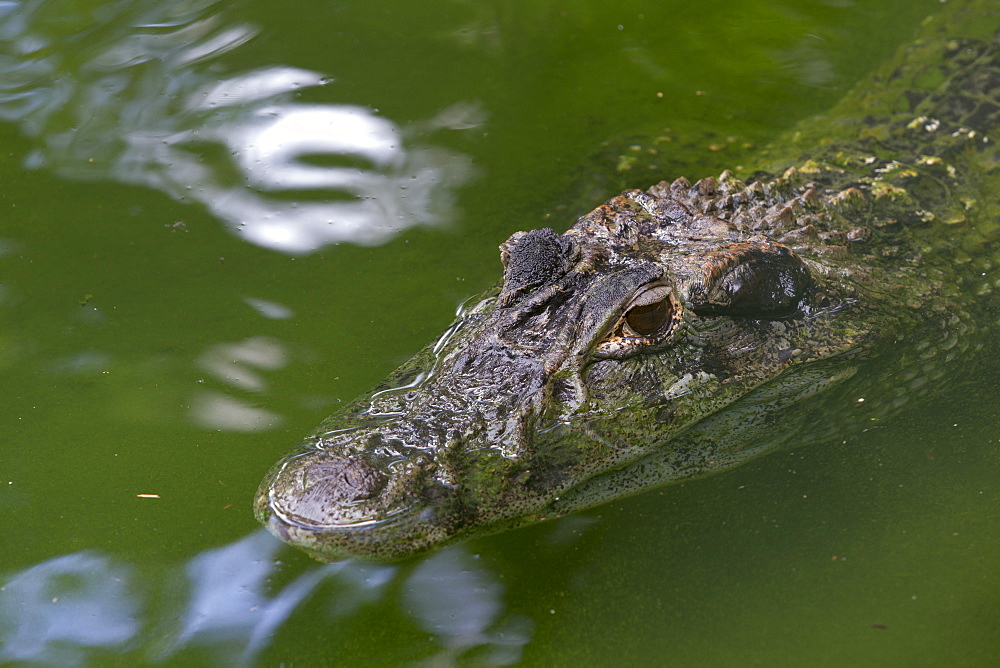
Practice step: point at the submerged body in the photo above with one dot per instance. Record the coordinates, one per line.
(667, 333)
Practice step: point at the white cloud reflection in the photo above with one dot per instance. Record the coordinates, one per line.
(233, 363)
(57, 611)
(76, 608)
(215, 410)
(269, 309)
(228, 602)
(135, 102)
(460, 602)
(236, 364)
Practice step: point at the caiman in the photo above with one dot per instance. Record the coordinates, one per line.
(676, 331)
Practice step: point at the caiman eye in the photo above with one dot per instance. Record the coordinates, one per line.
(648, 323)
(648, 319)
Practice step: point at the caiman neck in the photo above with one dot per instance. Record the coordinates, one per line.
(913, 151)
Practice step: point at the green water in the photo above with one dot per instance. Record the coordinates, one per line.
(177, 309)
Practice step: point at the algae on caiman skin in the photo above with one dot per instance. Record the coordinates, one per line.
(675, 331)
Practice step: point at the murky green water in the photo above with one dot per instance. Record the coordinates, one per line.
(218, 221)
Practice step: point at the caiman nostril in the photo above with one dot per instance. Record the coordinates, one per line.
(343, 481)
(327, 491)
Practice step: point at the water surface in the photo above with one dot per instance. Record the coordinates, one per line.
(220, 220)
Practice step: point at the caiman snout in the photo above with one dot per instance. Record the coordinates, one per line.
(326, 496)
(331, 484)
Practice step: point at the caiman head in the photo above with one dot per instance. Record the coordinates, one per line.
(656, 339)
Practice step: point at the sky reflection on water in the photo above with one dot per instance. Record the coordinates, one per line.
(134, 92)
(57, 611)
(238, 365)
(63, 610)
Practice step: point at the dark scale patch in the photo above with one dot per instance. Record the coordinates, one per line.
(973, 89)
(740, 348)
(786, 354)
(666, 414)
(532, 259)
(672, 212)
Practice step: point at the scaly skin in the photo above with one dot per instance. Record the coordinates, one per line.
(674, 332)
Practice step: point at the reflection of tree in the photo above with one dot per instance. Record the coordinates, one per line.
(64, 609)
(123, 91)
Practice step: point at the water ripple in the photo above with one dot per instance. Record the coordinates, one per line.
(131, 92)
